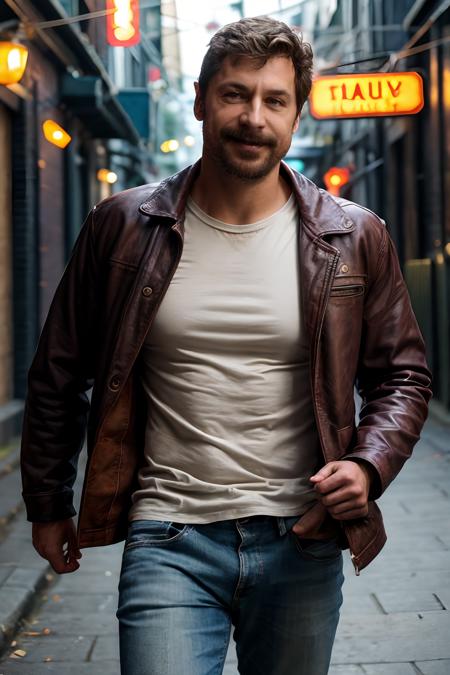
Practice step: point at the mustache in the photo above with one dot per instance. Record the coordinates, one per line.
(246, 137)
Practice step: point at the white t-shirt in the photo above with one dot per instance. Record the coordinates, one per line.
(231, 430)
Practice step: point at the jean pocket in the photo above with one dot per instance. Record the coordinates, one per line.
(154, 533)
(320, 550)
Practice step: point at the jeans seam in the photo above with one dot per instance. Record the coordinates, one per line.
(225, 650)
(241, 570)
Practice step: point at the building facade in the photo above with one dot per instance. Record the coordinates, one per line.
(100, 96)
(399, 166)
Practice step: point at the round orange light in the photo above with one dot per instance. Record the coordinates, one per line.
(335, 178)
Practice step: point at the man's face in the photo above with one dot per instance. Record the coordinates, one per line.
(249, 114)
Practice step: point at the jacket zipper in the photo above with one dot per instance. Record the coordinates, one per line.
(355, 564)
(330, 274)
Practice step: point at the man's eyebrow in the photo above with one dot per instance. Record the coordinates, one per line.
(243, 87)
(279, 92)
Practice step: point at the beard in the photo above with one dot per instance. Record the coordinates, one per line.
(239, 162)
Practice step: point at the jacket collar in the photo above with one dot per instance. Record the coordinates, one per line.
(319, 210)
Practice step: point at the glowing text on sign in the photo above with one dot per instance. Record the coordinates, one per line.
(366, 95)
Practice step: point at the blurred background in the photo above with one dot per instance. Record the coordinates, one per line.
(96, 96)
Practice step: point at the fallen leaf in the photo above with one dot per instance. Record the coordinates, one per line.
(13, 643)
(48, 659)
(56, 598)
(46, 631)
(32, 633)
(20, 652)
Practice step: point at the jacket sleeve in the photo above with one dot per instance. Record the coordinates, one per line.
(393, 378)
(61, 373)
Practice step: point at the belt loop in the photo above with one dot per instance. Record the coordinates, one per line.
(281, 525)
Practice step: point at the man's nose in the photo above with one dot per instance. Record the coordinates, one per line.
(253, 114)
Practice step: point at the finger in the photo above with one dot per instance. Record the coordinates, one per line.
(353, 492)
(74, 549)
(69, 567)
(324, 472)
(310, 521)
(57, 560)
(348, 511)
(341, 478)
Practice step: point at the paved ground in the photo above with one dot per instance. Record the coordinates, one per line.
(395, 619)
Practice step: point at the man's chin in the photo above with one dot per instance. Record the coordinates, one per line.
(247, 171)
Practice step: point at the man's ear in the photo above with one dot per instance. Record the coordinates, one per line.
(198, 103)
(296, 123)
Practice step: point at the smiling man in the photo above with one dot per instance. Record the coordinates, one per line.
(223, 319)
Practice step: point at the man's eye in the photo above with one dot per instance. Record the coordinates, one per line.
(232, 95)
(275, 102)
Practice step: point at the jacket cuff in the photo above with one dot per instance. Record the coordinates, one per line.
(46, 508)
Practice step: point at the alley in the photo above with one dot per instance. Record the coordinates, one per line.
(396, 614)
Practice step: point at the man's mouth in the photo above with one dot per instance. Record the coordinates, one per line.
(248, 141)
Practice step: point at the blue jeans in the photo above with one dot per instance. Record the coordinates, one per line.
(182, 587)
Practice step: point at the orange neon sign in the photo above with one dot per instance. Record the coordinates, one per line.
(122, 23)
(366, 95)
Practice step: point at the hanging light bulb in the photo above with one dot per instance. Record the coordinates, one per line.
(55, 134)
(13, 61)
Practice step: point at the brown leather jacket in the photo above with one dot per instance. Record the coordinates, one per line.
(356, 311)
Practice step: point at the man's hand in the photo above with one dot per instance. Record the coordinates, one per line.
(57, 543)
(343, 488)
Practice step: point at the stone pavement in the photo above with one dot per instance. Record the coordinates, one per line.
(395, 619)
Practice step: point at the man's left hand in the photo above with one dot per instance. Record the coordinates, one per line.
(343, 488)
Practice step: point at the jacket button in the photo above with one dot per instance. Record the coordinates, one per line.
(348, 224)
(114, 383)
(344, 269)
(147, 291)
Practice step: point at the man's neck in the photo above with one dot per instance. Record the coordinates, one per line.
(236, 201)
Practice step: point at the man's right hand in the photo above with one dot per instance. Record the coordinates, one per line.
(57, 543)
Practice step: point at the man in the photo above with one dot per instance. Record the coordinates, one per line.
(223, 320)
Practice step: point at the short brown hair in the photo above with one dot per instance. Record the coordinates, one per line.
(260, 38)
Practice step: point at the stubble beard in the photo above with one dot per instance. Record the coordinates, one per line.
(244, 169)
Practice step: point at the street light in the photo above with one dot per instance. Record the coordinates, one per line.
(55, 134)
(13, 61)
(107, 176)
(122, 23)
(170, 145)
(335, 179)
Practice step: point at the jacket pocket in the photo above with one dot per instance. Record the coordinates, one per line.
(349, 290)
(348, 285)
(317, 550)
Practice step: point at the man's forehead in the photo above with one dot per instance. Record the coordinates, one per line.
(253, 64)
